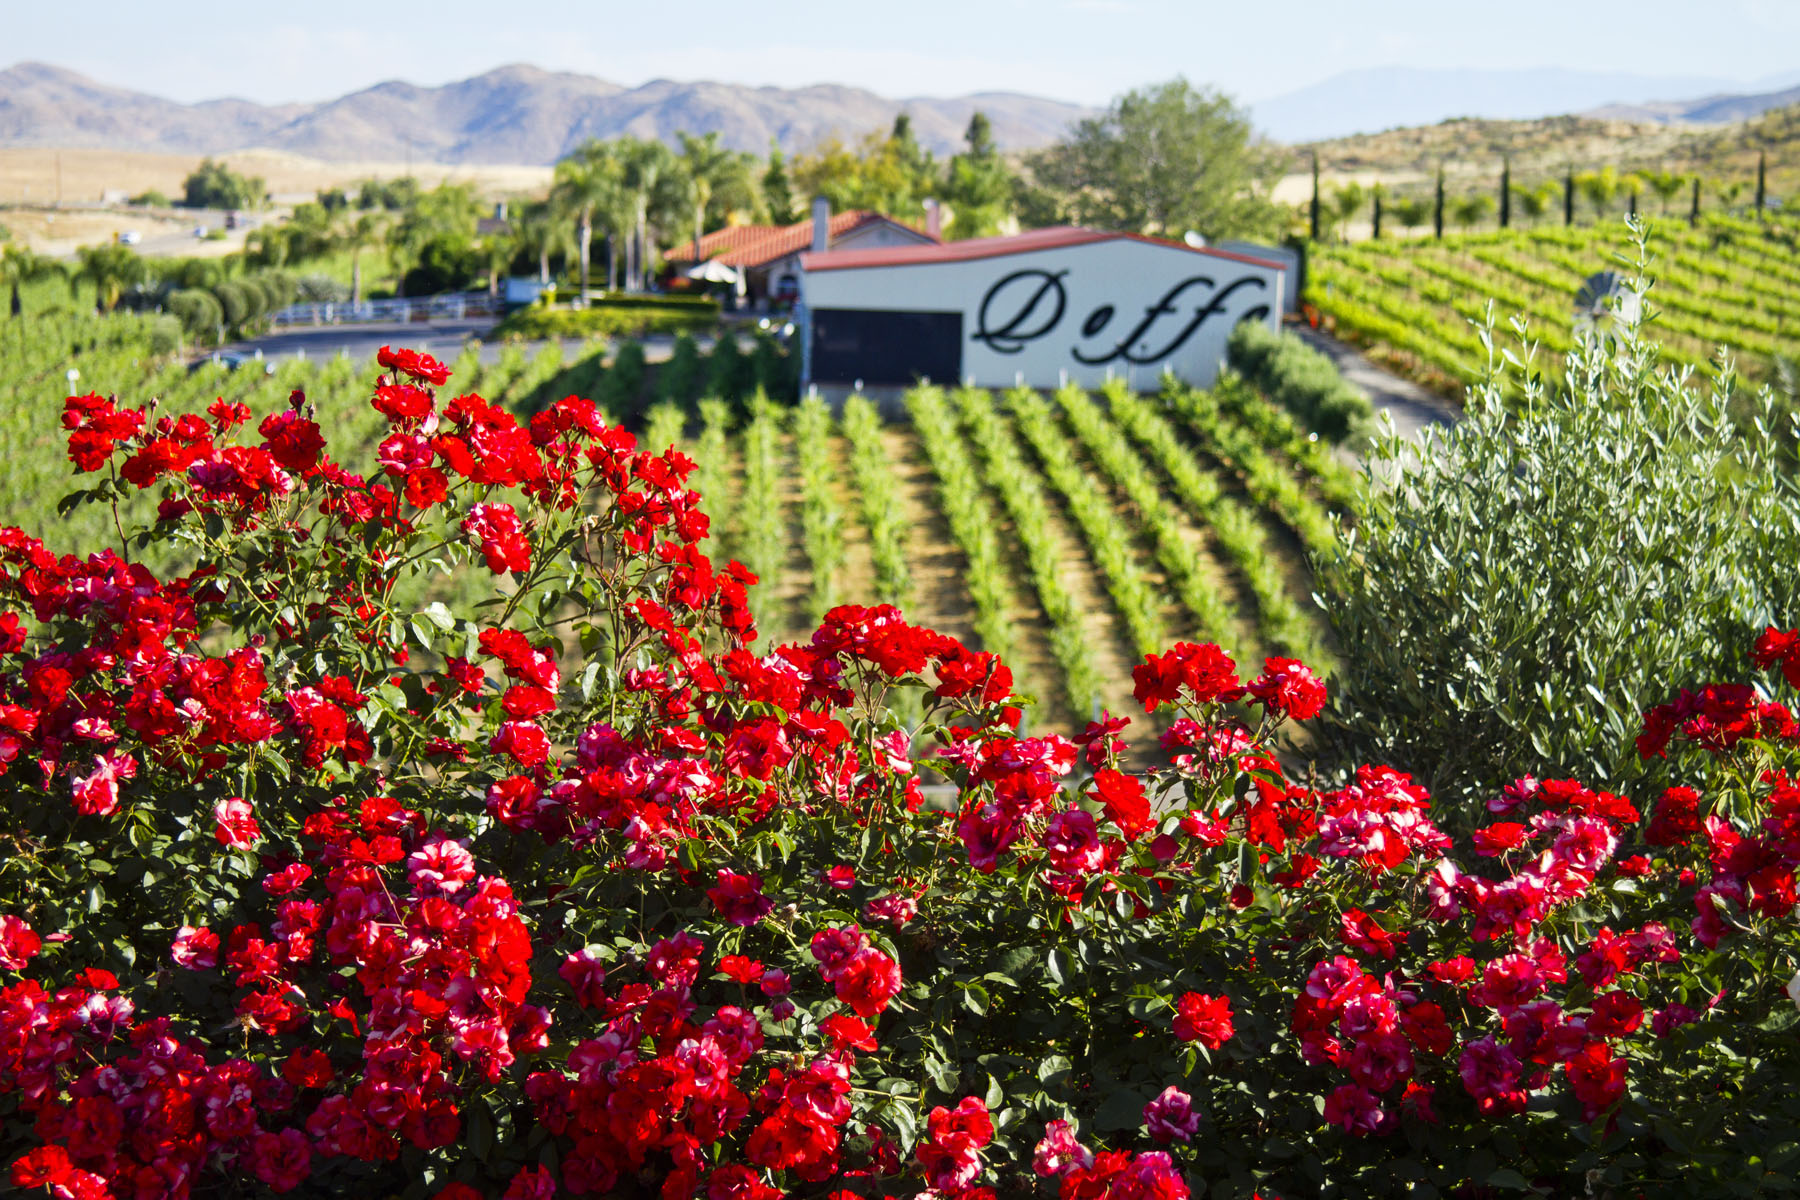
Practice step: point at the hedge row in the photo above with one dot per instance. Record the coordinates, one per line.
(1298, 378)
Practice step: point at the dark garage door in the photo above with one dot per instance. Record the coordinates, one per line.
(879, 346)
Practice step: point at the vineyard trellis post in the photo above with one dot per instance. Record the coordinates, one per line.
(1505, 192)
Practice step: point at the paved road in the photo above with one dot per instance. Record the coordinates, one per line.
(1410, 406)
(443, 339)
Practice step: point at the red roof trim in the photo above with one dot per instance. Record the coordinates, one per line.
(760, 245)
(1056, 238)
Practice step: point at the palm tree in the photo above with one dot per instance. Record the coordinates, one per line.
(541, 232)
(112, 269)
(497, 250)
(588, 182)
(360, 231)
(19, 266)
(707, 165)
(653, 177)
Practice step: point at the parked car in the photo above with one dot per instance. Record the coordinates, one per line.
(130, 237)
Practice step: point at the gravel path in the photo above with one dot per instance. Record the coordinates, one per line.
(1411, 406)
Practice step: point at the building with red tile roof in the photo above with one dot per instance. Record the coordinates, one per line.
(769, 255)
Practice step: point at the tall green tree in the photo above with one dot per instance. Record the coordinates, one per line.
(359, 233)
(658, 186)
(719, 180)
(214, 185)
(979, 187)
(590, 182)
(1166, 159)
(542, 234)
(778, 188)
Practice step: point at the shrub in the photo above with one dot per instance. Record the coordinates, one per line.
(448, 262)
(730, 376)
(622, 387)
(1299, 378)
(318, 885)
(607, 320)
(1531, 575)
(320, 289)
(198, 311)
(163, 337)
(773, 369)
(678, 382)
(234, 301)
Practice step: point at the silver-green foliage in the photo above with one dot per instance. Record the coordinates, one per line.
(1520, 587)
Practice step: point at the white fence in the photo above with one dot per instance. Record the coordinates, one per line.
(424, 308)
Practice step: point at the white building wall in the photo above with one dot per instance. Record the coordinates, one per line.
(1119, 307)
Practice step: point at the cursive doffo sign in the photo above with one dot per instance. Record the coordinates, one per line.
(1083, 310)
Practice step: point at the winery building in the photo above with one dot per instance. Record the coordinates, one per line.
(1039, 308)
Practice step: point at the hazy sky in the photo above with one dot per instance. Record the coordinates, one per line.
(1083, 50)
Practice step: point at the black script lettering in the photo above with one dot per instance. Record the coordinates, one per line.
(1016, 295)
(1166, 307)
(1096, 320)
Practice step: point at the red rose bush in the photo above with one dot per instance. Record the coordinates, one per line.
(315, 885)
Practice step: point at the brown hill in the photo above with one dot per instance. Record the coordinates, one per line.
(514, 114)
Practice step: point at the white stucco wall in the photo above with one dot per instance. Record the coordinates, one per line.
(1039, 314)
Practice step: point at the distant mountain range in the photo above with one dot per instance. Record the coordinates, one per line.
(514, 114)
(1380, 98)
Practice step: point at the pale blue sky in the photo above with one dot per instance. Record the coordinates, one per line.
(1083, 50)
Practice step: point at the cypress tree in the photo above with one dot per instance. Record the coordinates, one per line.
(1437, 212)
(1633, 202)
(1694, 208)
(1375, 233)
(1315, 198)
(1762, 168)
(1569, 197)
(1505, 192)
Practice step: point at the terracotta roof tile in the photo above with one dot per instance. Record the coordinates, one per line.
(759, 245)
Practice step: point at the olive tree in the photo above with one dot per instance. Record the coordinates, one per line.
(1518, 586)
